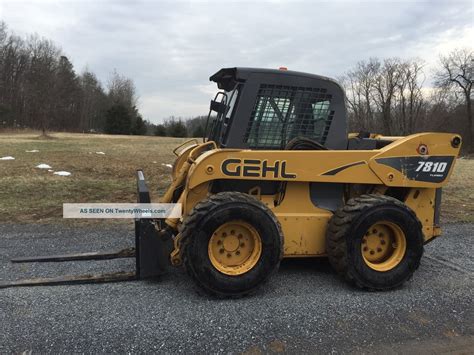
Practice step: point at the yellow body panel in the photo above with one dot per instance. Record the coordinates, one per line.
(303, 224)
(422, 201)
(306, 165)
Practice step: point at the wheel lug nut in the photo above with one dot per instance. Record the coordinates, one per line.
(365, 249)
(221, 251)
(364, 241)
(372, 252)
(379, 250)
(374, 231)
(237, 252)
(382, 242)
(219, 242)
(240, 236)
(228, 255)
(224, 234)
(232, 232)
(242, 244)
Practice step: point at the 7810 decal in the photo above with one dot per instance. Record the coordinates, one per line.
(432, 169)
(428, 166)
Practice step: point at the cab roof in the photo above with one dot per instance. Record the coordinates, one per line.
(227, 78)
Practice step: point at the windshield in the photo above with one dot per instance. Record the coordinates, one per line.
(217, 125)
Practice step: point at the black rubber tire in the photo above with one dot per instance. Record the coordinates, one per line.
(344, 237)
(201, 223)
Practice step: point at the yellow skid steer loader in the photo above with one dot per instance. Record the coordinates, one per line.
(278, 176)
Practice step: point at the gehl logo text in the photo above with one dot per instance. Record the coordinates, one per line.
(256, 168)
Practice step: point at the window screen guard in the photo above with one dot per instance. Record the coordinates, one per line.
(282, 113)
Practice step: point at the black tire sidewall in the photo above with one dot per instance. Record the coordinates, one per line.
(410, 226)
(197, 251)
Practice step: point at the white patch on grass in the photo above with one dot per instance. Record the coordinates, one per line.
(7, 158)
(168, 165)
(32, 151)
(50, 170)
(100, 153)
(62, 173)
(43, 166)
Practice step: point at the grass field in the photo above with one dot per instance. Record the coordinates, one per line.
(29, 194)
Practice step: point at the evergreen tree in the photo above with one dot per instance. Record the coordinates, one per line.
(196, 125)
(160, 130)
(66, 90)
(118, 120)
(198, 131)
(177, 129)
(139, 128)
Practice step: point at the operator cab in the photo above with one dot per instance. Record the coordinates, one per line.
(266, 109)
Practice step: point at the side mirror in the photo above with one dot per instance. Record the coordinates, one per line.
(217, 106)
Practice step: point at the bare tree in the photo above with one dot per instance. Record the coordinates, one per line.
(121, 90)
(455, 73)
(353, 101)
(359, 84)
(444, 112)
(386, 82)
(13, 65)
(366, 72)
(40, 81)
(409, 97)
(385, 96)
(93, 102)
(3, 32)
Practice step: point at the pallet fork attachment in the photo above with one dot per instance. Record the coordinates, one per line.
(152, 254)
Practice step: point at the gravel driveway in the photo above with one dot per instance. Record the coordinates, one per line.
(304, 309)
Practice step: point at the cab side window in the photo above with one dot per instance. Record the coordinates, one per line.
(284, 112)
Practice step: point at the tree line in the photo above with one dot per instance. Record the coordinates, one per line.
(179, 127)
(40, 89)
(388, 96)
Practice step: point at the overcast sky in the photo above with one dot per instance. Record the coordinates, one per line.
(171, 48)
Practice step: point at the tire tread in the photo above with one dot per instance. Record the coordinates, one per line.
(338, 230)
(204, 208)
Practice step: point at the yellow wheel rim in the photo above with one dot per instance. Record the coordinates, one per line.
(235, 248)
(383, 246)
